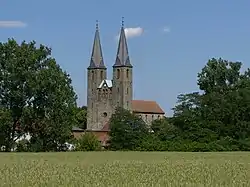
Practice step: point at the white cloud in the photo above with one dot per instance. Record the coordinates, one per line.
(12, 24)
(166, 29)
(132, 32)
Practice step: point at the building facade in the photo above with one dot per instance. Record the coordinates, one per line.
(105, 95)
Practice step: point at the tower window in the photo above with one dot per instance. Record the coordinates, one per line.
(105, 114)
(101, 74)
(118, 73)
(127, 73)
(127, 90)
(118, 90)
(93, 76)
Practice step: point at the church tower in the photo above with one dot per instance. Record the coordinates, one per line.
(122, 75)
(97, 72)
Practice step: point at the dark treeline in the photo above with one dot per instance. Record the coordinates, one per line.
(37, 97)
(216, 120)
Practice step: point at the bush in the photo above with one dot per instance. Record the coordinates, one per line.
(88, 142)
(22, 146)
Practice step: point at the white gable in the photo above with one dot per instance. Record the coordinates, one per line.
(105, 83)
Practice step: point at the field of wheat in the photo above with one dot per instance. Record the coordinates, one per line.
(125, 169)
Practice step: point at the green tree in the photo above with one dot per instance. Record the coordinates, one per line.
(165, 130)
(127, 130)
(88, 142)
(37, 93)
(81, 117)
(220, 113)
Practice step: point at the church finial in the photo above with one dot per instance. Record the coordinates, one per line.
(97, 25)
(122, 22)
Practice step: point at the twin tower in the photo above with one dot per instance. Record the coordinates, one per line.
(104, 95)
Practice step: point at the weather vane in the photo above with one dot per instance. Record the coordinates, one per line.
(96, 25)
(122, 21)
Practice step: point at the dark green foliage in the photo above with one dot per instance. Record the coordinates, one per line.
(23, 146)
(81, 117)
(127, 130)
(215, 120)
(87, 142)
(36, 96)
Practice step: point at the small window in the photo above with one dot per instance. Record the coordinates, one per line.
(101, 74)
(127, 104)
(159, 116)
(105, 114)
(127, 73)
(127, 90)
(152, 117)
(118, 73)
(93, 75)
(146, 116)
(118, 90)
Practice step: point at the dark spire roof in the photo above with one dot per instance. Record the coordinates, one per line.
(96, 60)
(122, 57)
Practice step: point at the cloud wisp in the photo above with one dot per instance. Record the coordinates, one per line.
(166, 29)
(132, 32)
(12, 24)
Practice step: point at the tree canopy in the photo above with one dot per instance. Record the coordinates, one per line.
(36, 96)
(216, 118)
(127, 130)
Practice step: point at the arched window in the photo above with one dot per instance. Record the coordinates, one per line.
(118, 90)
(101, 74)
(127, 73)
(127, 90)
(118, 73)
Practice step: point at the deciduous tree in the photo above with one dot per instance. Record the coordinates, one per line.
(37, 93)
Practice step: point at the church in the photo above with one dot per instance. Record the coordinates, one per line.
(104, 95)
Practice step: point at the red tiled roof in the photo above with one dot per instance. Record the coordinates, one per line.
(142, 106)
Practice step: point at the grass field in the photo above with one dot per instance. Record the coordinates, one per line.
(125, 169)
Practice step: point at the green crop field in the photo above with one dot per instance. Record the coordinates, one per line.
(125, 169)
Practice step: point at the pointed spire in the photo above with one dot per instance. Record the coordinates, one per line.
(122, 57)
(96, 56)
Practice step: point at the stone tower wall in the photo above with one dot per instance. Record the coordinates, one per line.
(95, 76)
(104, 106)
(122, 87)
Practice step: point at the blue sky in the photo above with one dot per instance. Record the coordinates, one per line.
(172, 39)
